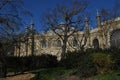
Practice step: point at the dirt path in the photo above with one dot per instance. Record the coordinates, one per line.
(26, 76)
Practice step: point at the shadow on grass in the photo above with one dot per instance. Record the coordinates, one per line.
(11, 74)
(67, 74)
(52, 74)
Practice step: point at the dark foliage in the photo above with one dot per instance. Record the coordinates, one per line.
(71, 60)
(103, 62)
(21, 64)
(86, 68)
(116, 57)
(81, 61)
(115, 52)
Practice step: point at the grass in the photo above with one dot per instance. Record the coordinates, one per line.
(113, 76)
(64, 74)
(53, 73)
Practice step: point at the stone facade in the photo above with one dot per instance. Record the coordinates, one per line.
(104, 36)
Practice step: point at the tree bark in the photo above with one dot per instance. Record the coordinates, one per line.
(64, 47)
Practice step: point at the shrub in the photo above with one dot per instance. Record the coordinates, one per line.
(71, 60)
(46, 60)
(21, 64)
(80, 61)
(86, 66)
(116, 57)
(103, 62)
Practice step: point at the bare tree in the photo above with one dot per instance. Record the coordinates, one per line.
(10, 24)
(80, 38)
(71, 18)
(9, 20)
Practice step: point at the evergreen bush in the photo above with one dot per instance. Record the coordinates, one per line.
(103, 62)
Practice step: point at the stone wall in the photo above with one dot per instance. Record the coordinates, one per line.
(48, 43)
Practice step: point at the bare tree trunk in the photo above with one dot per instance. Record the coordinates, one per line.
(32, 45)
(64, 47)
(27, 47)
(19, 49)
(3, 67)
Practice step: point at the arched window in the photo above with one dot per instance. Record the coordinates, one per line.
(115, 39)
(59, 43)
(43, 43)
(75, 42)
(96, 44)
(50, 43)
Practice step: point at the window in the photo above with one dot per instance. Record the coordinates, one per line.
(115, 39)
(75, 43)
(59, 43)
(50, 43)
(43, 43)
(96, 43)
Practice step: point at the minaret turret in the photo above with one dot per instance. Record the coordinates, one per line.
(86, 27)
(32, 26)
(86, 24)
(26, 29)
(32, 38)
(98, 20)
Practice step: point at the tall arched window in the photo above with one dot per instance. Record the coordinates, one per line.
(50, 43)
(75, 43)
(59, 43)
(96, 43)
(115, 39)
(43, 43)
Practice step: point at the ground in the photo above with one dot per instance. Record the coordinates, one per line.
(26, 76)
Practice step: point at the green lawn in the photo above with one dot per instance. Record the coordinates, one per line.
(52, 74)
(66, 74)
(113, 76)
